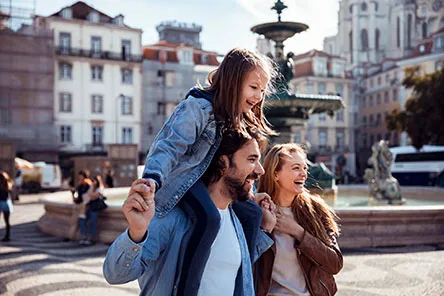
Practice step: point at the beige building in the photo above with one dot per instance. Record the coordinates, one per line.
(98, 78)
(330, 135)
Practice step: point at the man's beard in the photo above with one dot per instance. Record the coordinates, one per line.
(235, 187)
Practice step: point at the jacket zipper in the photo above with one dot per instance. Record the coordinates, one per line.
(322, 283)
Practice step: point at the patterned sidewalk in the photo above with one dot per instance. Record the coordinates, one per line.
(36, 264)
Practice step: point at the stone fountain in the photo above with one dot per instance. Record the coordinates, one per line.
(287, 110)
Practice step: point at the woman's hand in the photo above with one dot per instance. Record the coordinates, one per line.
(286, 224)
(268, 211)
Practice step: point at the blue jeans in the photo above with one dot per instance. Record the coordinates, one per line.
(92, 217)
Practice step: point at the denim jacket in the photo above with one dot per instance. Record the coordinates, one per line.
(156, 262)
(183, 149)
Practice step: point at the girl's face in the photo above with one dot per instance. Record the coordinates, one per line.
(253, 89)
(293, 174)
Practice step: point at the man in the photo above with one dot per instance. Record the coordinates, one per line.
(156, 257)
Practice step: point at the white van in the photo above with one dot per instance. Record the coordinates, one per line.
(41, 176)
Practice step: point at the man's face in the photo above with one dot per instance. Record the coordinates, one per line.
(243, 170)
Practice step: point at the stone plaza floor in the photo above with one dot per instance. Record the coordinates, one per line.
(33, 263)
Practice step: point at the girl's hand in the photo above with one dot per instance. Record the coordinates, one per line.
(286, 224)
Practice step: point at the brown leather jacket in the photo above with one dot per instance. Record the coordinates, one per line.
(318, 261)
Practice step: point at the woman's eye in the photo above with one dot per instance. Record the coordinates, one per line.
(254, 87)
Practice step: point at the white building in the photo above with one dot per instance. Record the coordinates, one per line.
(371, 31)
(98, 78)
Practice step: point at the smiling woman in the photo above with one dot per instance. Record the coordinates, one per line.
(306, 230)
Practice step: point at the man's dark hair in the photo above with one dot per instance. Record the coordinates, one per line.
(232, 141)
(83, 173)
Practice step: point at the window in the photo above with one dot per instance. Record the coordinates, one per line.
(395, 139)
(378, 99)
(127, 76)
(322, 88)
(398, 32)
(96, 73)
(96, 45)
(322, 138)
(322, 117)
(424, 30)
(370, 101)
(97, 135)
(409, 31)
(364, 40)
(340, 115)
(67, 13)
(364, 140)
(371, 121)
(96, 104)
(372, 139)
(161, 110)
(395, 94)
(170, 78)
(379, 80)
(127, 135)
(127, 105)
(350, 43)
(386, 97)
(65, 134)
(340, 139)
(339, 89)
(5, 116)
(387, 78)
(377, 35)
(65, 41)
(126, 49)
(338, 69)
(93, 17)
(371, 83)
(439, 43)
(65, 71)
(378, 119)
(321, 67)
(65, 102)
(204, 59)
(297, 137)
(364, 102)
(310, 88)
(364, 121)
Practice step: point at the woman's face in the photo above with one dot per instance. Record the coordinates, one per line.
(253, 89)
(293, 174)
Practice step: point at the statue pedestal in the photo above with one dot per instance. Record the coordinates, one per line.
(385, 202)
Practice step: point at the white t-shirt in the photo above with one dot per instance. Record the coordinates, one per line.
(219, 276)
(288, 277)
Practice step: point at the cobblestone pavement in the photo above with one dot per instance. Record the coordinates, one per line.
(37, 264)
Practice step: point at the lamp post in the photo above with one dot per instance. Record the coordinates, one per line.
(121, 97)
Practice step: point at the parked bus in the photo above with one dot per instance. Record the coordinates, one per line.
(418, 168)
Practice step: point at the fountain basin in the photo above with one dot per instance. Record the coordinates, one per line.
(279, 31)
(417, 223)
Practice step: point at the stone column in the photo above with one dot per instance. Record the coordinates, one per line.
(372, 33)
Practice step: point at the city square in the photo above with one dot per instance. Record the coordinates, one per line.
(91, 95)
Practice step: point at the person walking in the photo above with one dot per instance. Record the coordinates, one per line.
(6, 208)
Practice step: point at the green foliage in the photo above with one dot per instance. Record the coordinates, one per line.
(422, 118)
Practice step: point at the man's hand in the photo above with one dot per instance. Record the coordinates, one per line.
(139, 208)
(268, 211)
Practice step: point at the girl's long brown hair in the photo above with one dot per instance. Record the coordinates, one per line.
(226, 84)
(310, 211)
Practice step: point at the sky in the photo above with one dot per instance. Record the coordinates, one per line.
(226, 23)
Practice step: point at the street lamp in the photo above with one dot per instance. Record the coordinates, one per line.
(121, 97)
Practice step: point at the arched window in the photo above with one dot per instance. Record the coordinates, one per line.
(364, 40)
(377, 39)
(409, 31)
(424, 30)
(398, 32)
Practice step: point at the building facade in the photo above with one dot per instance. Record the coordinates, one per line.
(372, 31)
(98, 78)
(331, 137)
(26, 92)
(170, 69)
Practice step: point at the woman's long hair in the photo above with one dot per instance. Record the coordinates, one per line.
(310, 211)
(226, 85)
(6, 182)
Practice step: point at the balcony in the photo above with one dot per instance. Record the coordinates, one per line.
(95, 147)
(104, 55)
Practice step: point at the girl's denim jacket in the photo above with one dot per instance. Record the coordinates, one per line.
(183, 149)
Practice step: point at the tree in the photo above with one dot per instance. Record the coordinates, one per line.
(423, 116)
